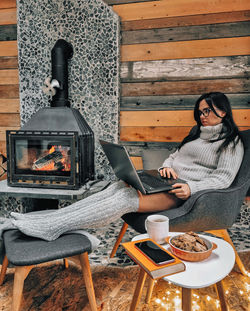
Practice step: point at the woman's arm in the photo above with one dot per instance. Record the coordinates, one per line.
(165, 170)
(222, 177)
(168, 162)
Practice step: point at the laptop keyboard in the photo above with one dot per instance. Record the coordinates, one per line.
(153, 181)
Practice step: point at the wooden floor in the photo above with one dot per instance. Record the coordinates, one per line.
(52, 288)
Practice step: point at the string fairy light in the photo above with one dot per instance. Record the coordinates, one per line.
(196, 296)
(247, 286)
(217, 303)
(195, 306)
(177, 301)
(172, 300)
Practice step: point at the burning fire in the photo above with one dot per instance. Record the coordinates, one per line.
(56, 158)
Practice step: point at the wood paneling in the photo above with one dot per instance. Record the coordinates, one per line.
(8, 62)
(186, 69)
(156, 118)
(173, 118)
(146, 133)
(173, 34)
(9, 119)
(176, 102)
(9, 76)
(8, 33)
(9, 91)
(186, 49)
(161, 9)
(157, 134)
(9, 106)
(112, 2)
(185, 87)
(9, 102)
(192, 20)
(167, 62)
(8, 48)
(6, 4)
(8, 16)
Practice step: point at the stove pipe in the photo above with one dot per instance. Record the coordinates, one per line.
(61, 52)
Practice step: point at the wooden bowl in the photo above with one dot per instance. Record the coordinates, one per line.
(191, 256)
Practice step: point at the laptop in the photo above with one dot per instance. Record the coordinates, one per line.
(147, 181)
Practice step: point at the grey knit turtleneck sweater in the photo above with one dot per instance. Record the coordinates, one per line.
(201, 166)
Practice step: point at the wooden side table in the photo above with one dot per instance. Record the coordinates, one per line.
(197, 274)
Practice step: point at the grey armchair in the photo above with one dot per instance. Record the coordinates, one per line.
(210, 210)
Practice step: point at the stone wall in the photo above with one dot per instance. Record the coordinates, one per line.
(93, 30)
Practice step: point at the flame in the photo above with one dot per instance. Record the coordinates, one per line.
(52, 165)
(52, 149)
(49, 167)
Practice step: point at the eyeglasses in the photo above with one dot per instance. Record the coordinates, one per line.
(205, 112)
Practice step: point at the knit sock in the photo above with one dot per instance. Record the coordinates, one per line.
(108, 192)
(84, 214)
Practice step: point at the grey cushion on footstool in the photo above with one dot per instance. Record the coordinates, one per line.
(26, 252)
(22, 250)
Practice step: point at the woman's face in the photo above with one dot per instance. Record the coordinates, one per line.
(207, 116)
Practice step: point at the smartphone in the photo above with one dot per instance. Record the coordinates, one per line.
(156, 254)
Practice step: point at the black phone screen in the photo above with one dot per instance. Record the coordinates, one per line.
(154, 252)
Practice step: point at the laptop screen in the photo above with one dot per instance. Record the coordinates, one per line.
(121, 163)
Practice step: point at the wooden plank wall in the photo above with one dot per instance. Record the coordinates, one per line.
(9, 96)
(171, 52)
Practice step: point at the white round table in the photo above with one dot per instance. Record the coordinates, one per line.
(199, 274)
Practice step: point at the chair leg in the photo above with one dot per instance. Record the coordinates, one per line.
(224, 234)
(118, 241)
(66, 263)
(84, 260)
(21, 273)
(4, 269)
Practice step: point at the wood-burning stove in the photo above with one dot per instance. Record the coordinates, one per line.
(55, 148)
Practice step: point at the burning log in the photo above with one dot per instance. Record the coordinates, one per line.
(49, 160)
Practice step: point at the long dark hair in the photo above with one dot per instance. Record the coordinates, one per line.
(230, 130)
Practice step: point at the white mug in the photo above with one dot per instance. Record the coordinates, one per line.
(157, 227)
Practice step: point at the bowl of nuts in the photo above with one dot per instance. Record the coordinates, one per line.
(191, 247)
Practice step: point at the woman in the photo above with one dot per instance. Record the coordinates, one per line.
(208, 158)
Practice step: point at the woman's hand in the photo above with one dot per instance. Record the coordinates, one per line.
(181, 191)
(168, 172)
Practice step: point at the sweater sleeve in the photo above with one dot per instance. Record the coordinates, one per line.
(227, 168)
(168, 162)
